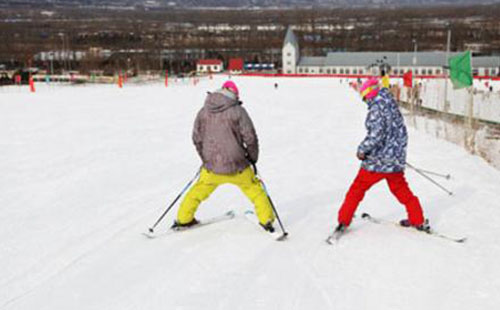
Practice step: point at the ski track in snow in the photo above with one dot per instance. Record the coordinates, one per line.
(87, 169)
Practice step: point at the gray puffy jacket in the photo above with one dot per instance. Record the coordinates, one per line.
(224, 134)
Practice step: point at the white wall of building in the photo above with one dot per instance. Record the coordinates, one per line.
(209, 68)
(331, 70)
(290, 59)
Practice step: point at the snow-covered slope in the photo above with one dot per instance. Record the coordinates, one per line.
(85, 170)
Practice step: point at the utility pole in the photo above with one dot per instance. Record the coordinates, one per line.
(415, 52)
(399, 64)
(51, 55)
(62, 54)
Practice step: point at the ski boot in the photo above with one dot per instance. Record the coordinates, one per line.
(268, 227)
(179, 226)
(425, 227)
(336, 234)
(340, 229)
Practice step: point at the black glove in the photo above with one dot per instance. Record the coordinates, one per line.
(254, 166)
(361, 156)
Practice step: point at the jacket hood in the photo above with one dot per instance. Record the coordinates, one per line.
(220, 100)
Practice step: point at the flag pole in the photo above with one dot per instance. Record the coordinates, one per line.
(446, 106)
(470, 111)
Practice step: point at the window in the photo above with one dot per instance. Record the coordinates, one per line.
(288, 62)
(328, 71)
(289, 71)
(355, 71)
(334, 71)
(289, 54)
(361, 71)
(347, 71)
(416, 71)
(486, 72)
(214, 68)
(438, 72)
(320, 70)
(300, 70)
(342, 71)
(306, 70)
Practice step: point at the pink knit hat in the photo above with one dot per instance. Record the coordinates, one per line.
(231, 86)
(369, 89)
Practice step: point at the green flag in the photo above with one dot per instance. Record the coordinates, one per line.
(461, 70)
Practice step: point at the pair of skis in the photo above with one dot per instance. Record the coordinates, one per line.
(216, 219)
(336, 235)
(332, 238)
(250, 215)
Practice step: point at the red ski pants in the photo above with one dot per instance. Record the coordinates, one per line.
(398, 186)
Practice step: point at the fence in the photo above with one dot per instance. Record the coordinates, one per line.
(468, 119)
(435, 95)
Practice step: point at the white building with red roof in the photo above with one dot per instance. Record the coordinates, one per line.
(209, 66)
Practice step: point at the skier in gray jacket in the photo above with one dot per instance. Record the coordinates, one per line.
(227, 144)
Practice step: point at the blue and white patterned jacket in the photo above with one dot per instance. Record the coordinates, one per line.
(386, 141)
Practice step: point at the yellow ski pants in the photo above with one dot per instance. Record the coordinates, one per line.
(209, 181)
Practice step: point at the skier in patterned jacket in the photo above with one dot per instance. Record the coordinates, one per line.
(383, 156)
(227, 144)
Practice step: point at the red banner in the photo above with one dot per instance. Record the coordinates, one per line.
(408, 79)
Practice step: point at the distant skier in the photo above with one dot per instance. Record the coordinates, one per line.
(227, 144)
(383, 156)
(275, 85)
(385, 79)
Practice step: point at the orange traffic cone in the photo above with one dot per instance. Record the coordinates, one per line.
(120, 81)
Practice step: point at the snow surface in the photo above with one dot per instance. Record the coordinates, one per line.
(85, 170)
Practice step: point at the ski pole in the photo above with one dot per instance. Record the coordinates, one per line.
(430, 179)
(285, 234)
(151, 229)
(396, 162)
(421, 172)
(446, 176)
